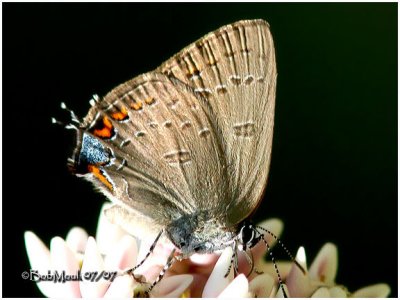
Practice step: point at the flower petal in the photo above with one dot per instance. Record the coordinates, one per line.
(158, 256)
(38, 254)
(284, 268)
(301, 258)
(324, 266)
(261, 286)
(216, 283)
(64, 260)
(121, 287)
(279, 293)
(122, 255)
(173, 286)
(337, 292)
(150, 272)
(93, 283)
(39, 259)
(238, 288)
(107, 233)
(275, 226)
(202, 259)
(379, 290)
(322, 292)
(298, 283)
(76, 239)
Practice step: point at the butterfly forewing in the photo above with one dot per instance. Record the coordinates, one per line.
(234, 68)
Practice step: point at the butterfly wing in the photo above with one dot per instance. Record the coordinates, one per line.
(151, 146)
(234, 69)
(192, 134)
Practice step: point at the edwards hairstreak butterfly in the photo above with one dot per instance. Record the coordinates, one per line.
(184, 151)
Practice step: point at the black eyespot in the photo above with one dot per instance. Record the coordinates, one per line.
(182, 244)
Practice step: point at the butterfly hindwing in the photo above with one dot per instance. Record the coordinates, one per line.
(166, 156)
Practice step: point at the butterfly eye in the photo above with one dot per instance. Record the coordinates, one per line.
(197, 248)
(247, 236)
(182, 244)
(252, 236)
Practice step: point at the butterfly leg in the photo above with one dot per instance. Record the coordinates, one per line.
(250, 260)
(170, 260)
(130, 271)
(234, 262)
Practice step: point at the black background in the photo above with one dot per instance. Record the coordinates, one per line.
(333, 175)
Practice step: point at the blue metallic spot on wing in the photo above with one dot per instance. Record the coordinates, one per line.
(92, 152)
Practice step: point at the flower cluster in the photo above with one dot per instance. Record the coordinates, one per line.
(114, 250)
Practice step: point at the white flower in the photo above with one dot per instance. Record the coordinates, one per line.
(200, 276)
(114, 251)
(319, 280)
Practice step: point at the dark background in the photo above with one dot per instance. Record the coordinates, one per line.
(334, 164)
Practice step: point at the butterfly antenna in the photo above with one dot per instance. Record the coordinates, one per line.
(283, 247)
(275, 266)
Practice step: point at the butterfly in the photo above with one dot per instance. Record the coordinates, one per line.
(183, 152)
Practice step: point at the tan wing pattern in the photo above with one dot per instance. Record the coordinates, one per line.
(234, 69)
(192, 134)
(166, 155)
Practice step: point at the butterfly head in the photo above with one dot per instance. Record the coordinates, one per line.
(248, 236)
(199, 233)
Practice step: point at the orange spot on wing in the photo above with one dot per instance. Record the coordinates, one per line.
(97, 172)
(149, 100)
(105, 130)
(107, 123)
(120, 115)
(104, 133)
(137, 105)
(193, 70)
